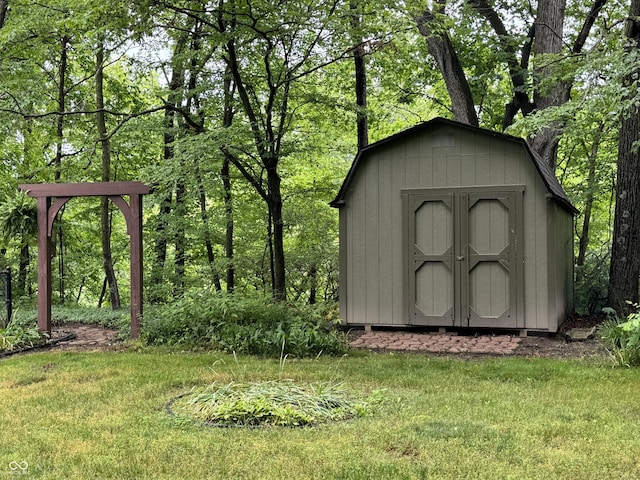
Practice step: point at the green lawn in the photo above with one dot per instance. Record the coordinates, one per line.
(102, 415)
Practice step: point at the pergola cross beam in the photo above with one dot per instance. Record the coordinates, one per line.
(63, 192)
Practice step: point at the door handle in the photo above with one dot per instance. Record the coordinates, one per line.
(460, 258)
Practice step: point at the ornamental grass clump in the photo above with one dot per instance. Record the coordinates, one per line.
(270, 403)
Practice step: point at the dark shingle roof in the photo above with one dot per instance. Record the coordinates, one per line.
(544, 170)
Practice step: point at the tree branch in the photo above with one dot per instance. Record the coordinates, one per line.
(251, 178)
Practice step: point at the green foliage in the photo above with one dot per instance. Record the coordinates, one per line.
(272, 403)
(592, 280)
(236, 323)
(306, 113)
(91, 316)
(17, 336)
(622, 338)
(18, 217)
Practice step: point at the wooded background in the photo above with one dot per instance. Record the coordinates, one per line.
(244, 116)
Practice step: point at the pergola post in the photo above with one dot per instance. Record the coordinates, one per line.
(135, 241)
(44, 265)
(47, 212)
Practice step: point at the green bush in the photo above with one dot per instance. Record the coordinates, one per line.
(17, 336)
(622, 338)
(236, 323)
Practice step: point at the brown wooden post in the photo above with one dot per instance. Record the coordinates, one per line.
(44, 266)
(63, 192)
(135, 239)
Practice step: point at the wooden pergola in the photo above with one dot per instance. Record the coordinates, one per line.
(47, 211)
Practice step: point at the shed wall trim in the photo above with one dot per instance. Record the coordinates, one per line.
(482, 189)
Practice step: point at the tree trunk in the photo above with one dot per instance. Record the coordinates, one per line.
(4, 6)
(362, 120)
(275, 212)
(625, 251)
(269, 249)
(160, 247)
(440, 47)
(227, 121)
(161, 235)
(57, 162)
(313, 284)
(520, 99)
(360, 66)
(584, 235)
(228, 238)
(204, 216)
(591, 187)
(25, 258)
(103, 291)
(84, 279)
(62, 93)
(549, 29)
(176, 87)
(105, 220)
(179, 260)
(268, 153)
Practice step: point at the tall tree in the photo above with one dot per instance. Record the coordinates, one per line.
(541, 38)
(430, 25)
(225, 174)
(194, 108)
(173, 102)
(360, 70)
(549, 36)
(287, 46)
(625, 252)
(105, 217)
(583, 243)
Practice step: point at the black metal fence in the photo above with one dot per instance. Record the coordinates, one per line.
(5, 291)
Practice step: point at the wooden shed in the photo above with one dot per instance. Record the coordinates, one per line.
(449, 225)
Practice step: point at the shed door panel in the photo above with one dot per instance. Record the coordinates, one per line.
(431, 282)
(490, 243)
(462, 250)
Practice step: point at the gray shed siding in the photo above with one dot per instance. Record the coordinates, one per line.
(561, 263)
(372, 259)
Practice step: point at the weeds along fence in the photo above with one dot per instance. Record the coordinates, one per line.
(5, 293)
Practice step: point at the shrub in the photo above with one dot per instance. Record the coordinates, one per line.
(17, 336)
(622, 338)
(243, 324)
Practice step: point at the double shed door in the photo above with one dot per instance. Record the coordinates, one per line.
(464, 257)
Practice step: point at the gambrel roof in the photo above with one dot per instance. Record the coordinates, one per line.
(547, 175)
